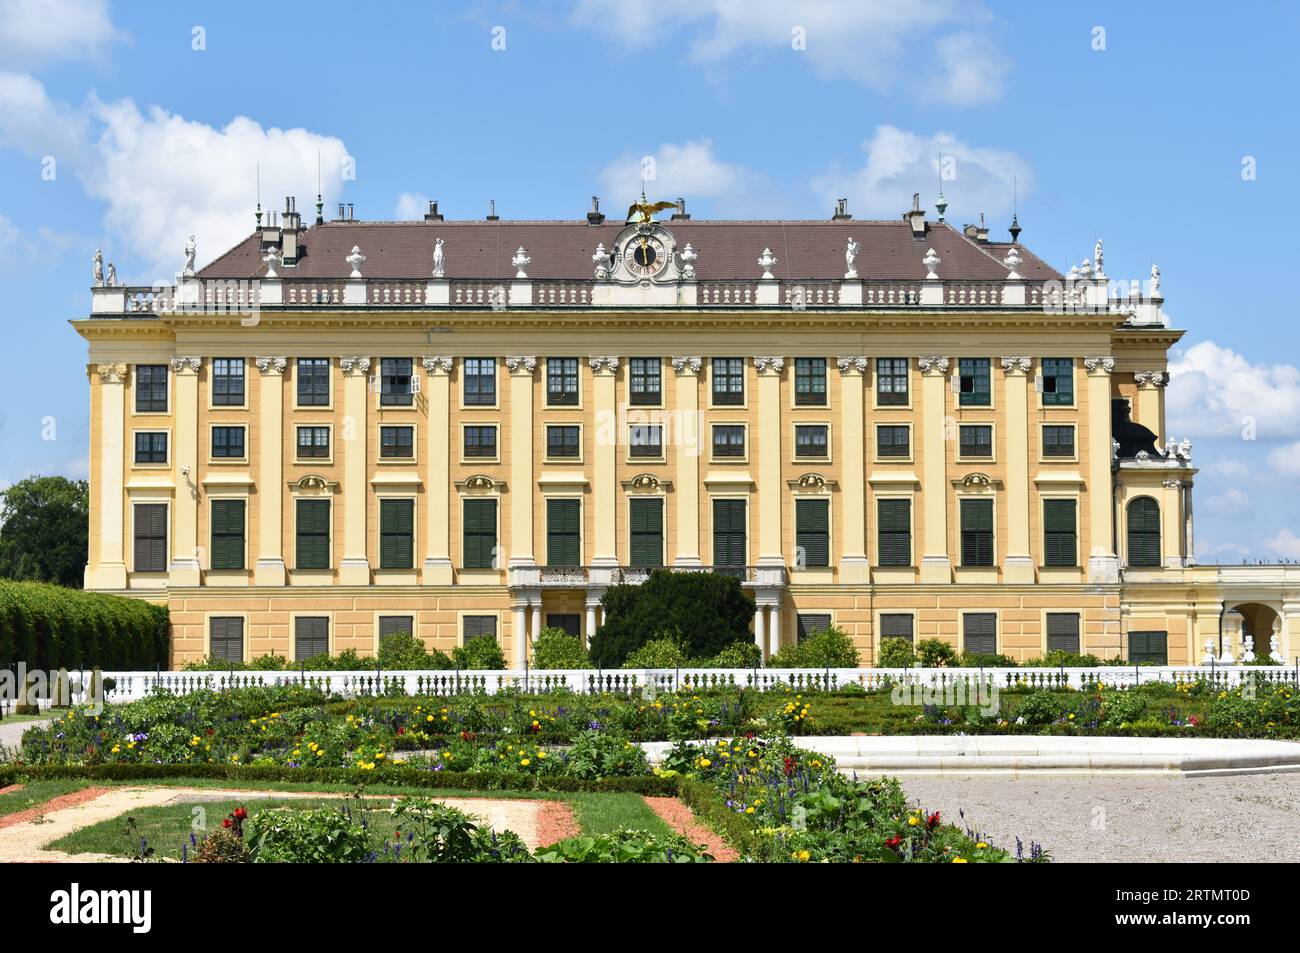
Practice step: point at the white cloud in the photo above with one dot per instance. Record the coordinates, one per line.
(35, 124)
(1286, 544)
(1231, 501)
(899, 163)
(1226, 468)
(689, 169)
(39, 31)
(1285, 459)
(410, 206)
(879, 43)
(1214, 391)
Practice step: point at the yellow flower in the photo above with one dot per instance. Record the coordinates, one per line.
(524, 761)
(981, 845)
(960, 860)
(913, 821)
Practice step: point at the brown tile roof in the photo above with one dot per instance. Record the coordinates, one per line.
(563, 249)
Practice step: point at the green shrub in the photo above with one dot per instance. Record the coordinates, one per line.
(625, 847)
(744, 654)
(1058, 658)
(666, 652)
(50, 627)
(603, 754)
(986, 660)
(479, 652)
(1122, 707)
(1040, 707)
(402, 651)
(555, 648)
(326, 835)
(936, 653)
(827, 648)
(897, 653)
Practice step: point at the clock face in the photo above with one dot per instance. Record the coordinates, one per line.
(644, 256)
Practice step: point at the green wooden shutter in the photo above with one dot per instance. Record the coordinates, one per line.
(812, 531)
(894, 532)
(480, 533)
(227, 534)
(980, 633)
(647, 531)
(393, 624)
(896, 625)
(977, 532)
(810, 622)
(150, 537)
(480, 625)
(312, 548)
(729, 531)
(563, 532)
(1060, 533)
(1144, 532)
(226, 638)
(1148, 647)
(1063, 632)
(311, 636)
(396, 534)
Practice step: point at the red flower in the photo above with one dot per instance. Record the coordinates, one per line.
(226, 823)
(893, 842)
(241, 812)
(212, 731)
(401, 731)
(932, 821)
(788, 766)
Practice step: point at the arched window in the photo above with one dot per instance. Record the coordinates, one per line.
(1144, 532)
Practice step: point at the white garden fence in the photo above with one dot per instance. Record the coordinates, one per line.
(125, 686)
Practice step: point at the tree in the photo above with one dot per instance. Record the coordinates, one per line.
(709, 610)
(45, 530)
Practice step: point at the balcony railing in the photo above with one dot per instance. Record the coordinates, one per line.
(580, 577)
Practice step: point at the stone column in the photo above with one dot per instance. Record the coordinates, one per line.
(605, 491)
(269, 569)
(1189, 527)
(1149, 408)
(1103, 564)
(936, 566)
(521, 459)
(536, 619)
(110, 571)
(1018, 563)
(769, 461)
(437, 558)
(760, 637)
(853, 560)
(590, 630)
(520, 612)
(354, 569)
(1171, 524)
(774, 633)
(184, 569)
(691, 444)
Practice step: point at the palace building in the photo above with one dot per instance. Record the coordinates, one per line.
(901, 428)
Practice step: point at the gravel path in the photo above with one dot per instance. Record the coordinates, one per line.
(1247, 818)
(11, 732)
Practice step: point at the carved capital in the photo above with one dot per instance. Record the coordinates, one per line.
(111, 373)
(933, 365)
(1149, 379)
(852, 365)
(437, 364)
(605, 364)
(769, 365)
(687, 365)
(271, 365)
(185, 365)
(521, 364)
(1099, 365)
(355, 365)
(1017, 365)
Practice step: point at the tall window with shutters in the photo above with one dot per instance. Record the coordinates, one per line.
(150, 537)
(312, 534)
(226, 638)
(979, 631)
(228, 534)
(1148, 648)
(396, 624)
(813, 532)
(479, 626)
(1063, 632)
(729, 532)
(1144, 532)
(563, 532)
(646, 519)
(976, 532)
(897, 625)
(479, 542)
(809, 622)
(894, 532)
(311, 636)
(1060, 533)
(397, 534)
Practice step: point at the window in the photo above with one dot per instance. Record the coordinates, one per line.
(893, 441)
(396, 382)
(228, 382)
(894, 528)
(151, 447)
(896, 625)
(562, 381)
(728, 440)
(151, 388)
(974, 382)
(1144, 532)
(646, 519)
(975, 440)
(564, 532)
(645, 385)
(1060, 533)
(1058, 381)
(647, 440)
(312, 534)
(729, 528)
(396, 443)
(228, 442)
(480, 442)
(1058, 440)
(979, 632)
(226, 638)
(976, 532)
(810, 440)
(313, 381)
(891, 381)
(1149, 648)
(728, 380)
(228, 534)
(480, 387)
(397, 534)
(476, 626)
(1063, 632)
(311, 636)
(809, 622)
(812, 532)
(810, 381)
(395, 624)
(564, 441)
(568, 622)
(480, 534)
(151, 537)
(313, 443)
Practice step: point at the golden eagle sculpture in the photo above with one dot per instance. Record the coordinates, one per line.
(646, 211)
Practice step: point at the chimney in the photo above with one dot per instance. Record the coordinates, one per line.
(292, 225)
(340, 215)
(349, 211)
(492, 215)
(982, 233)
(680, 215)
(433, 215)
(841, 211)
(916, 217)
(595, 216)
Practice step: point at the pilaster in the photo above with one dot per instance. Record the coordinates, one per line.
(1018, 563)
(437, 505)
(185, 567)
(604, 493)
(269, 569)
(110, 571)
(690, 444)
(936, 566)
(769, 460)
(852, 501)
(521, 369)
(354, 569)
(1103, 564)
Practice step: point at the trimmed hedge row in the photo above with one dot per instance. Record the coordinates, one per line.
(49, 627)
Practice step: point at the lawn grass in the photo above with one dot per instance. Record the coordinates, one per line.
(603, 813)
(37, 792)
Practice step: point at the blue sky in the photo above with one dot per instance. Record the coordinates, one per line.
(1129, 122)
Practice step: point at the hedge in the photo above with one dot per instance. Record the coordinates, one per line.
(49, 627)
